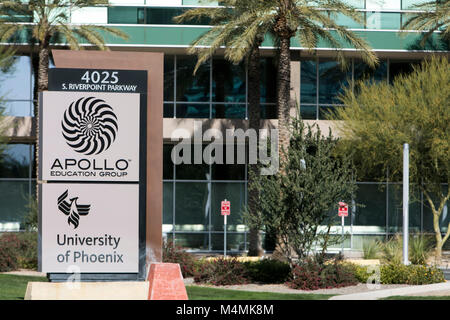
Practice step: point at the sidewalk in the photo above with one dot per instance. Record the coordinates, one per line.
(421, 290)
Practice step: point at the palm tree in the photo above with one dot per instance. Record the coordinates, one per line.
(434, 15)
(236, 26)
(51, 23)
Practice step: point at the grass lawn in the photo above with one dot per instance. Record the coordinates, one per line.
(13, 287)
(417, 298)
(202, 293)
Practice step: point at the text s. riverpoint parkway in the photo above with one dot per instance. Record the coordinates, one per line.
(187, 196)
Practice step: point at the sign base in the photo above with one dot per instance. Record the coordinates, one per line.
(166, 282)
(129, 290)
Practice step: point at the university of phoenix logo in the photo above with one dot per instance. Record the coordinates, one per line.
(72, 209)
(89, 125)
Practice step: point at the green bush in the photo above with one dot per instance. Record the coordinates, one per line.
(18, 251)
(221, 272)
(311, 274)
(267, 271)
(397, 273)
(419, 249)
(371, 249)
(392, 250)
(176, 254)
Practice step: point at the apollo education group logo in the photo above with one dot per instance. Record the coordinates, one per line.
(89, 126)
(72, 209)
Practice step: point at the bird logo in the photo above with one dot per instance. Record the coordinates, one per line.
(72, 209)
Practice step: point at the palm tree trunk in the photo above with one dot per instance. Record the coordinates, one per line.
(283, 95)
(254, 111)
(39, 86)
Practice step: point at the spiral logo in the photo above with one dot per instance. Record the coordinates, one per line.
(89, 125)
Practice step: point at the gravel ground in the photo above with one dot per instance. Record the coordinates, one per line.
(281, 288)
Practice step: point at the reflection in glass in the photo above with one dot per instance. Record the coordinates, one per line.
(268, 81)
(192, 171)
(17, 108)
(169, 77)
(228, 83)
(395, 204)
(308, 82)
(192, 110)
(168, 203)
(190, 87)
(372, 217)
(233, 192)
(15, 82)
(228, 111)
(362, 71)
(308, 112)
(269, 111)
(192, 206)
(332, 79)
(14, 197)
(235, 242)
(167, 161)
(15, 161)
(193, 241)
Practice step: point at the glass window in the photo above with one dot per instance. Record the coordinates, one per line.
(167, 162)
(168, 111)
(193, 241)
(269, 111)
(362, 71)
(358, 4)
(192, 171)
(233, 192)
(228, 83)
(400, 67)
(124, 15)
(308, 112)
(15, 82)
(396, 209)
(231, 171)
(235, 242)
(168, 203)
(383, 20)
(268, 81)
(169, 77)
(192, 206)
(15, 161)
(348, 22)
(409, 4)
(383, 4)
(17, 108)
(372, 217)
(308, 82)
(324, 111)
(228, 111)
(332, 79)
(14, 197)
(192, 110)
(192, 88)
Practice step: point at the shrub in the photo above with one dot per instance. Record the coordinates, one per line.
(371, 249)
(18, 250)
(267, 271)
(176, 254)
(312, 275)
(400, 274)
(392, 250)
(221, 272)
(419, 249)
(9, 248)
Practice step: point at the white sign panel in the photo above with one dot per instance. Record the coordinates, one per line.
(90, 228)
(90, 136)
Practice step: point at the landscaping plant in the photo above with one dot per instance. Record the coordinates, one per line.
(221, 272)
(176, 254)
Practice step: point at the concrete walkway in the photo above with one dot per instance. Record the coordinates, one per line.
(422, 290)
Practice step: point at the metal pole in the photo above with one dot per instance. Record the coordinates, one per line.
(343, 239)
(405, 202)
(225, 234)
